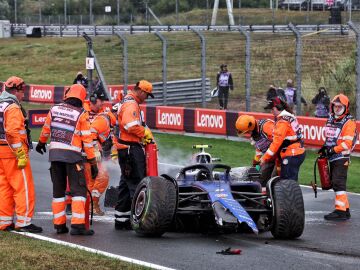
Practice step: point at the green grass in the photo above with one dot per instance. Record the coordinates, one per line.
(19, 252)
(235, 153)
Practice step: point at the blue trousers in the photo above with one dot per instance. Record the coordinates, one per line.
(290, 166)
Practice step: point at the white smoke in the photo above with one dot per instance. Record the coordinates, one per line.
(172, 160)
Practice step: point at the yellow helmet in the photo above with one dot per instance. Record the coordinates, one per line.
(245, 123)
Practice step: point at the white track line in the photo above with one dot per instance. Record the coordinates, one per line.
(96, 251)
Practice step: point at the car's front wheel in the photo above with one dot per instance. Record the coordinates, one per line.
(153, 206)
(289, 213)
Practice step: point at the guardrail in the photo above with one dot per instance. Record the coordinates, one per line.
(180, 92)
(77, 30)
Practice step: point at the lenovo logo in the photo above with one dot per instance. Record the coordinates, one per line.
(209, 120)
(41, 94)
(39, 119)
(313, 132)
(173, 119)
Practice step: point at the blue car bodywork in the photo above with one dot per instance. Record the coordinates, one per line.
(210, 186)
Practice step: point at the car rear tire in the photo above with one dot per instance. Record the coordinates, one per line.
(153, 206)
(289, 213)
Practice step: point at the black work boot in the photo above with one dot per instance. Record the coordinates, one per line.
(348, 215)
(80, 230)
(336, 215)
(126, 225)
(10, 228)
(30, 228)
(60, 229)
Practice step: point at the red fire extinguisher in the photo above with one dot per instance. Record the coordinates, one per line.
(151, 152)
(324, 172)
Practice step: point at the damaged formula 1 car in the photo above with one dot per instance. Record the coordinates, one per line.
(215, 196)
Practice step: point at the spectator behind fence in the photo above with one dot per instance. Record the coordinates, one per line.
(80, 79)
(274, 92)
(224, 82)
(322, 102)
(290, 93)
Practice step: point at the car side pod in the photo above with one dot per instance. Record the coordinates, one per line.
(288, 212)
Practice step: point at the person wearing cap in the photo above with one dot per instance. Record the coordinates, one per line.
(17, 192)
(340, 140)
(322, 102)
(261, 132)
(224, 82)
(287, 144)
(101, 123)
(290, 93)
(133, 134)
(67, 124)
(81, 79)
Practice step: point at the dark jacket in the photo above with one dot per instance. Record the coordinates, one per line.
(322, 102)
(80, 79)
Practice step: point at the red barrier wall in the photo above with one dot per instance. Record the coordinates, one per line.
(208, 122)
(51, 94)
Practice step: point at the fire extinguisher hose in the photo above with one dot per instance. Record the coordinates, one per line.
(92, 206)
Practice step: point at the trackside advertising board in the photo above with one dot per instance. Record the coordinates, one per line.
(41, 93)
(37, 118)
(170, 118)
(51, 94)
(208, 121)
(117, 91)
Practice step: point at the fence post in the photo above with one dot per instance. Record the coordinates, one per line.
(247, 66)
(91, 53)
(203, 66)
(164, 67)
(357, 69)
(298, 56)
(125, 60)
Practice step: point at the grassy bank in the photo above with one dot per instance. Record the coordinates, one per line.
(19, 252)
(327, 59)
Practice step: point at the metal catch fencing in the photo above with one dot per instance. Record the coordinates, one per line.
(257, 56)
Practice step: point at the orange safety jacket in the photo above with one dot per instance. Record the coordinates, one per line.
(100, 125)
(342, 135)
(262, 137)
(13, 133)
(130, 120)
(69, 131)
(287, 138)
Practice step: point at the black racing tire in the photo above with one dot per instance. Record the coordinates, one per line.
(153, 206)
(289, 213)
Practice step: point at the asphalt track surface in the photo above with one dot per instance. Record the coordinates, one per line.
(323, 245)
